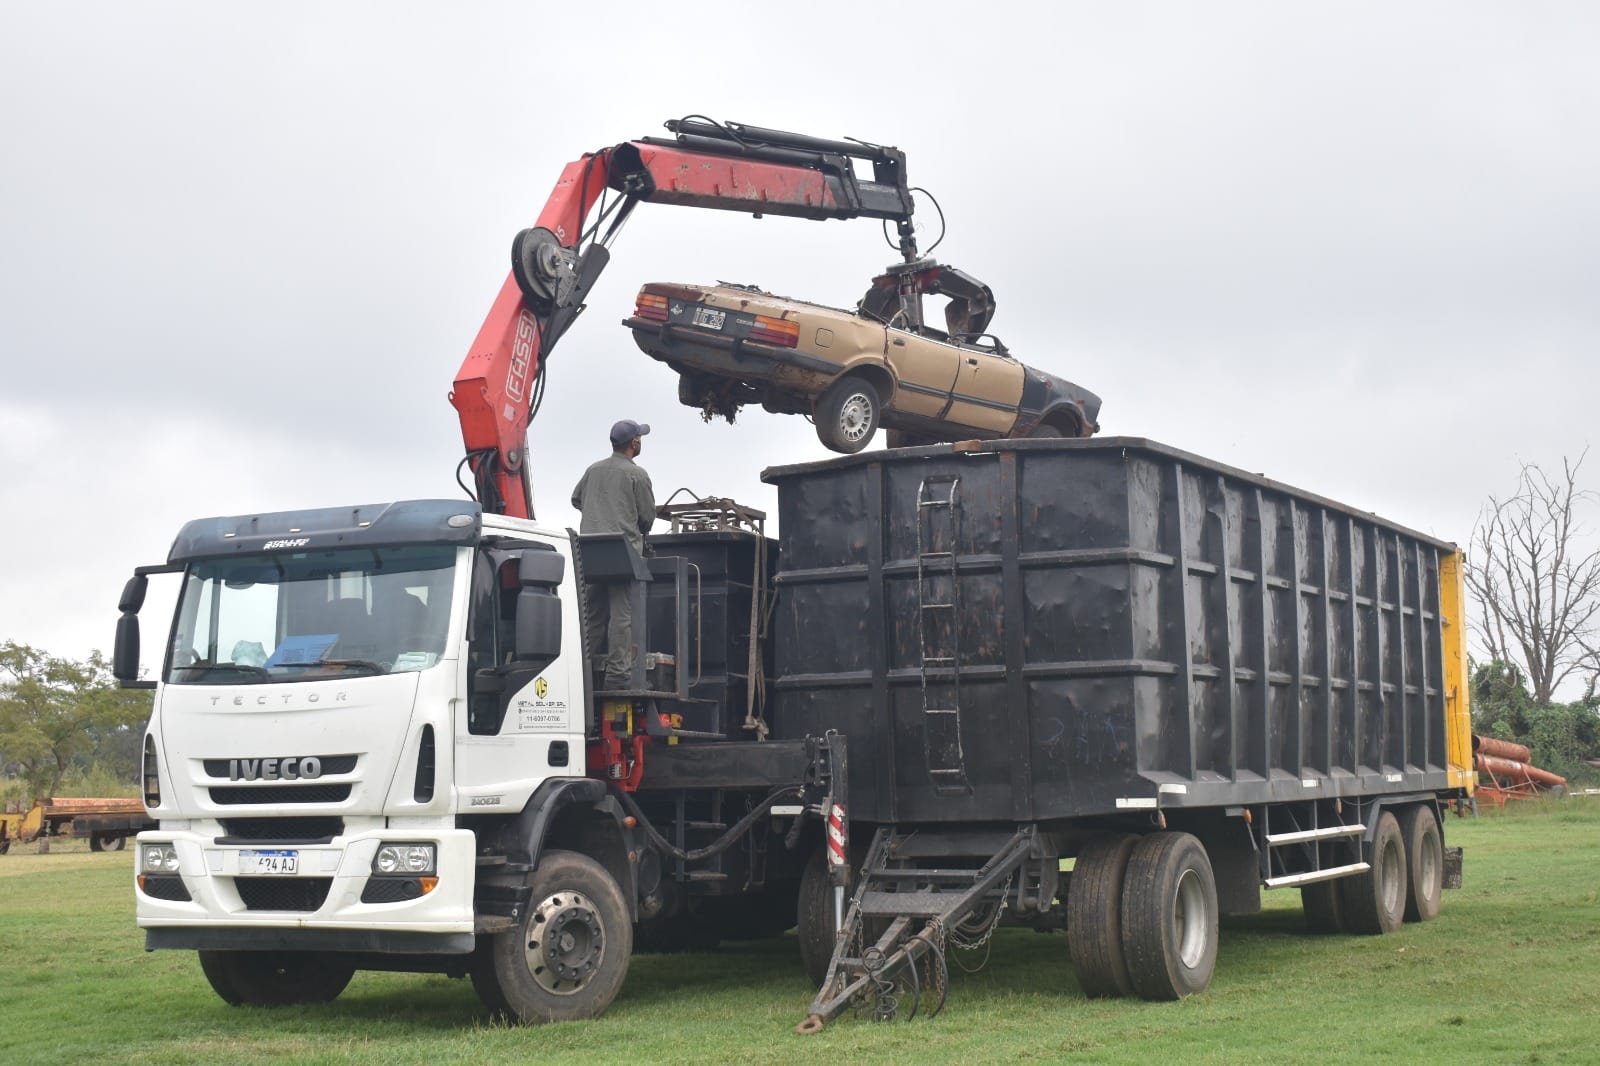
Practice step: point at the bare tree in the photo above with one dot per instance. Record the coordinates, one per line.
(1536, 582)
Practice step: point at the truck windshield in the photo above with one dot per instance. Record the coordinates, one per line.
(308, 615)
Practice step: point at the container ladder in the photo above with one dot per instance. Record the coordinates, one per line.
(938, 628)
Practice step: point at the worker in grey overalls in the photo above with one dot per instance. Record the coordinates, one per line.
(615, 496)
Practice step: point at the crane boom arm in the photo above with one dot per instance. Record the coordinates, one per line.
(726, 167)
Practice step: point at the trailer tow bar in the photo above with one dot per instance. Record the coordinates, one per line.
(919, 905)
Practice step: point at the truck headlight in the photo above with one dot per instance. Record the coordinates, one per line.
(405, 860)
(158, 859)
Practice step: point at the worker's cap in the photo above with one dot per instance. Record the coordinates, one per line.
(627, 430)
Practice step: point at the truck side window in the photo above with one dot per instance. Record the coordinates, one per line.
(491, 624)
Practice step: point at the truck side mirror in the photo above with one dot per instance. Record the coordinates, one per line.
(133, 594)
(541, 568)
(125, 653)
(538, 626)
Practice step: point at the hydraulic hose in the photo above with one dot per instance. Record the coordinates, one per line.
(721, 844)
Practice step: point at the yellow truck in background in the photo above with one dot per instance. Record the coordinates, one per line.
(106, 823)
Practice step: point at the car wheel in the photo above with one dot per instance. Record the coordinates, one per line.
(848, 414)
(1042, 431)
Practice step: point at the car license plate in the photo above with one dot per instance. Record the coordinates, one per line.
(709, 318)
(277, 862)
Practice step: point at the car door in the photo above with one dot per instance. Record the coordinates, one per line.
(926, 372)
(986, 392)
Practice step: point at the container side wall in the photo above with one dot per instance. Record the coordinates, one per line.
(1041, 630)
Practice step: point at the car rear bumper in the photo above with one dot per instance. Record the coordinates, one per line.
(732, 357)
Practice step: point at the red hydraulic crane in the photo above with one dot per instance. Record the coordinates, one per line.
(723, 166)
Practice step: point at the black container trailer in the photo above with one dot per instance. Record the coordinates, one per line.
(1192, 681)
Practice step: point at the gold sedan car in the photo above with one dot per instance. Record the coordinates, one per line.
(853, 372)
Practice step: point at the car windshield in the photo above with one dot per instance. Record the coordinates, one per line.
(308, 615)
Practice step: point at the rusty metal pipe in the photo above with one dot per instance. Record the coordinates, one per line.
(1503, 749)
(1519, 771)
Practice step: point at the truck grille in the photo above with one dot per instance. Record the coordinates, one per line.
(229, 795)
(331, 764)
(283, 893)
(247, 829)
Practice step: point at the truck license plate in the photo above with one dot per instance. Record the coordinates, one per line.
(710, 319)
(278, 862)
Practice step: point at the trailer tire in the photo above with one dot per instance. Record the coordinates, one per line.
(106, 842)
(1374, 902)
(568, 955)
(1320, 901)
(275, 978)
(1094, 916)
(815, 927)
(1424, 862)
(1169, 916)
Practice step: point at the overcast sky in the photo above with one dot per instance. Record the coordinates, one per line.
(244, 248)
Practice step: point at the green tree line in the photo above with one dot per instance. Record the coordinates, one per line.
(65, 726)
(1562, 737)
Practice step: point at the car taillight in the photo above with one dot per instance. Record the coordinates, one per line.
(775, 331)
(651, 306)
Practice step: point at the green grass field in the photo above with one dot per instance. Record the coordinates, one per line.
(1508, 974)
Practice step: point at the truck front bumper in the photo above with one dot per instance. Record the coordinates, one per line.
(333, 901)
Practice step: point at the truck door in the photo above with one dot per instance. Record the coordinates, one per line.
(523, 720)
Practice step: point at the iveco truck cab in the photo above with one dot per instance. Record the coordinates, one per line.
(375, 744)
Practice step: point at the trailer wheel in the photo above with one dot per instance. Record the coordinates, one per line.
(1424, 862)
(275, 978)
(1374, 902)
(568, 956)
(107, 842)
(815, 926)
(1169, 916)
(1094, 916)
(1320, 901)
(848, 414)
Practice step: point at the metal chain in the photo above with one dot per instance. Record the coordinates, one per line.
(968, 943)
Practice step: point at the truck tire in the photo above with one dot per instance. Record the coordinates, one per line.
(1320, 901)
(1094, 916)
(1374, 902)
(568, 956)
(815, 927)
(848, 414)
(1169, 916)
(1424, 862)
(107, 842)
(275, 978)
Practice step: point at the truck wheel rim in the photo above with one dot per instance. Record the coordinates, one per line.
(565, 943)
(855, 416)
(1190, 921)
